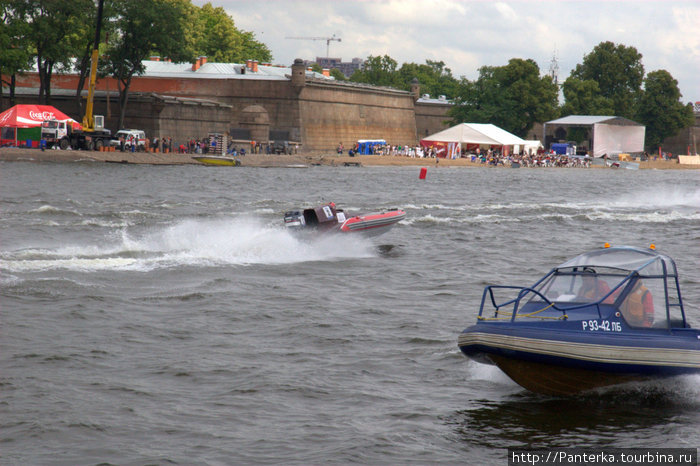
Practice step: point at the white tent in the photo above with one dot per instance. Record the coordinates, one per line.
(481, 134)
(610, 134)
(531, 146)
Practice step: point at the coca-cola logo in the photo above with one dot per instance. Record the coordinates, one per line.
(41, 116)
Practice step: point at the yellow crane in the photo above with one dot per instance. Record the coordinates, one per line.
(88, 118)
(327, 39)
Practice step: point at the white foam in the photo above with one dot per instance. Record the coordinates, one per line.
(240, 241)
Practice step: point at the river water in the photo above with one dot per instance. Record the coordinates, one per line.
(162, 315)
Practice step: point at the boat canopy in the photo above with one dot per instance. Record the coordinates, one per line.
(646, 262)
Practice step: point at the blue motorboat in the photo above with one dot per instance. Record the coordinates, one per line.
(606, 317)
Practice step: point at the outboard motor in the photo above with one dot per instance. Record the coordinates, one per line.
(294, 219)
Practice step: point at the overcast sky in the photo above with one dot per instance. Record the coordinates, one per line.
(468, 34)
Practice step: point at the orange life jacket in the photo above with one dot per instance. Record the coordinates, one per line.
(638, 308)
(597, 291)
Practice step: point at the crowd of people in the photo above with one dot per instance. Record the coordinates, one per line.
(207, 145)
(533, 160)
(398, 150)
(487, 157)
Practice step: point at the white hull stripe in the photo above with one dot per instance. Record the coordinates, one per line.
(380, 222)
(609, 354)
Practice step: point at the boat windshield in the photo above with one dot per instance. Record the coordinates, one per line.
(646, 262)
(581, 285)
(644, 298)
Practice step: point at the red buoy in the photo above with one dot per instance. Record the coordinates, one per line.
(423, 172)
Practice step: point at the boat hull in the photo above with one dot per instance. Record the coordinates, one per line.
(568, 362)
(217, 160)
(372, 224)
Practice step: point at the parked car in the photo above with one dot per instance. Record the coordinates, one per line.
(131, 137)
(281, 147)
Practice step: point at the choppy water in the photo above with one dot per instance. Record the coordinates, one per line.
(162, 315)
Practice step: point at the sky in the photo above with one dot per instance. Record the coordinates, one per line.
(469, 34)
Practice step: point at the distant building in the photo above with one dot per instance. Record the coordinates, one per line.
(251, 102)
(347, 68)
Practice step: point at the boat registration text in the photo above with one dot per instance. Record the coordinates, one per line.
(601, 326)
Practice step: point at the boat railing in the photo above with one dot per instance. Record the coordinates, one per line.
(513, 313)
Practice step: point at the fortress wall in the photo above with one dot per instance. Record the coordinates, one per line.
(319, 114)
(331, 114)
(430, 118)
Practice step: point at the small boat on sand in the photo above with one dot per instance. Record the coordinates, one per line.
(606, 317)
(217, 160)
(328, 219)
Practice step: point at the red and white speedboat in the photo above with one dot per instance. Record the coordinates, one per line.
(327, 218)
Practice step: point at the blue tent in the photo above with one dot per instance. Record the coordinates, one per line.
(365, 145)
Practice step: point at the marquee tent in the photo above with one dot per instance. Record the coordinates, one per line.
(366, 146)
(466, 136)
(23, 122)
(610, 135)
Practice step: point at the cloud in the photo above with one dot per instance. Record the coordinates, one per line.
(468, 34)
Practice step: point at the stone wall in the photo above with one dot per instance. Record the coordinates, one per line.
(431, 118)
(180, 119)
(335, 113)
(686, 141)
(317, 113)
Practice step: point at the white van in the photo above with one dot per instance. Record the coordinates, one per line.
(132, 137)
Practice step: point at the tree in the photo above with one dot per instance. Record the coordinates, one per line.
(513, 97)
(379, 71)
(251, 48)
(52, 33)
(214, 34)
(338, 75)
(434, 78)
(661, 109)
(584, 98)
(145, 27)
(15, 44)
(83, 39)
(619, 72)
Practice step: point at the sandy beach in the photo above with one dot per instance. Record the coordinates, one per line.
(11, 154)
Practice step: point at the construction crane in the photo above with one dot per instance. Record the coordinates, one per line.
(327, 39)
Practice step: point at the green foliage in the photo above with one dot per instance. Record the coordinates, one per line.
(434, 78)
(661, 110)
(53, 30)
(619, 72)
(609, 82)
(145, 27)
(338, 75)
(379, 71)
(513, 97)
(212, 33)
(584, 98)
(16, 47)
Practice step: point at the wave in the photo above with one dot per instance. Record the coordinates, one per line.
(242, 241)
(52, 210)
(652, 205)
(660, 197)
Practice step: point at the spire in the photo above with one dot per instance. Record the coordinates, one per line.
(554, 68)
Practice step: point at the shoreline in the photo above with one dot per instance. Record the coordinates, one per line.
(13, 154)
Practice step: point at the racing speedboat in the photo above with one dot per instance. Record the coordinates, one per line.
(606, 317)
(217, 160)
(328, 219)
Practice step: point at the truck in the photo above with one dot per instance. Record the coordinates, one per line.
(64, 134)
(92, 135)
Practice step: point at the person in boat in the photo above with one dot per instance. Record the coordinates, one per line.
(593, 288)
(638, 307)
